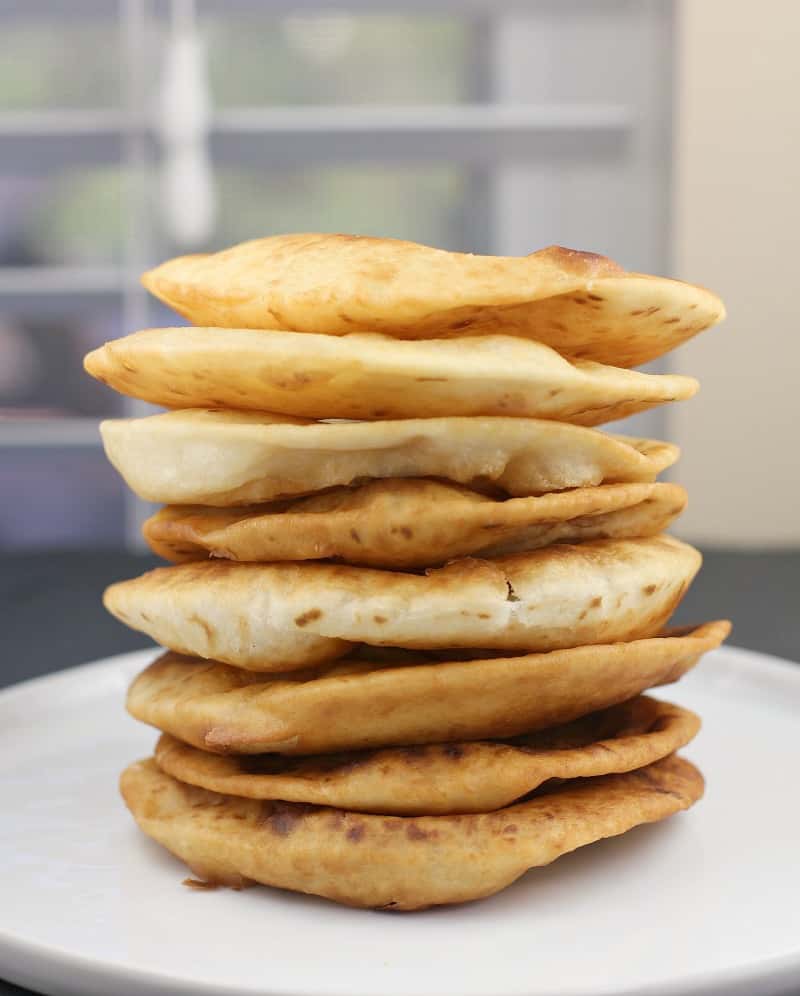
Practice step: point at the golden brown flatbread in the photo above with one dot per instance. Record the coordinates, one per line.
(277, 617)
(467, 777)
(372, 376)
(373, 701)
(395, 862)
(410, 522)
(579, 303)
(203, 457)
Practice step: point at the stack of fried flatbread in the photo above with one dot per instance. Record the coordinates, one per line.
(414, 595)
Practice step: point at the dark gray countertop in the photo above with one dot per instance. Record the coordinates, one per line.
(51, 616)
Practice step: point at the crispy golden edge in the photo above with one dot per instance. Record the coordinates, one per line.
(365, 703)
(444, 778)
(407, 523)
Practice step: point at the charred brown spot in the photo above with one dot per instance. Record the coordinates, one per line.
(595, 297)
(354, 536)
(510, 828)
(464, 323)
(431, 380)
(596, 602)
(453, 751)
(355, 832)
(413, 832)
(649, 589)
(282, 820)
(380, 620)
(306, 617)
(670, 321)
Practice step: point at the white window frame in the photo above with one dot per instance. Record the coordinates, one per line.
(469, 134)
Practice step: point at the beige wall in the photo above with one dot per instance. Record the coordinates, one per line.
(737, 230)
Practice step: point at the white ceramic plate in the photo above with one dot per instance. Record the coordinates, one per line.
(708, 902)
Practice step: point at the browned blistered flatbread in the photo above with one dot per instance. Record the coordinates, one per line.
(277, 617)
(466, 777)
(372, 376)
(372, 701)
(579, 303)
(395, 862)
(203, 457)
(407, 523)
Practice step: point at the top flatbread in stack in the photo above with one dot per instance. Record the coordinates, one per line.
(581, 304)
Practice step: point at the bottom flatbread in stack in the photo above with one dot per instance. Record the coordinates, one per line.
(395, 862)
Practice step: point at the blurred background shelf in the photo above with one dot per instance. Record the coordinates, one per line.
(48, 432)
(635, 128)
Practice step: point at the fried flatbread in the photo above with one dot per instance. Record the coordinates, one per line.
(467, 777)
(581, 304)
(395, 862)
(277, 617)
(372, 376)
(407, 523)
(359, 704)
(202, 457)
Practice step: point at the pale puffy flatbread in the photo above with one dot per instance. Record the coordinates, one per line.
(371, 376)
(395, 862)
(579, 303)
(365, 703)
(466, 777)
(276, 617)
(399, 523)
(204, 457)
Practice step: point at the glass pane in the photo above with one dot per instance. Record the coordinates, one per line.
(338, 58)
(57, 61)
(41, 363)
(428, 205)
(59, 498)
(72, 218)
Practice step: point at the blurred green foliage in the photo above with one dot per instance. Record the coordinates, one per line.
(424, 204)
(64, 62)
(339, 58)
(76, 217)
